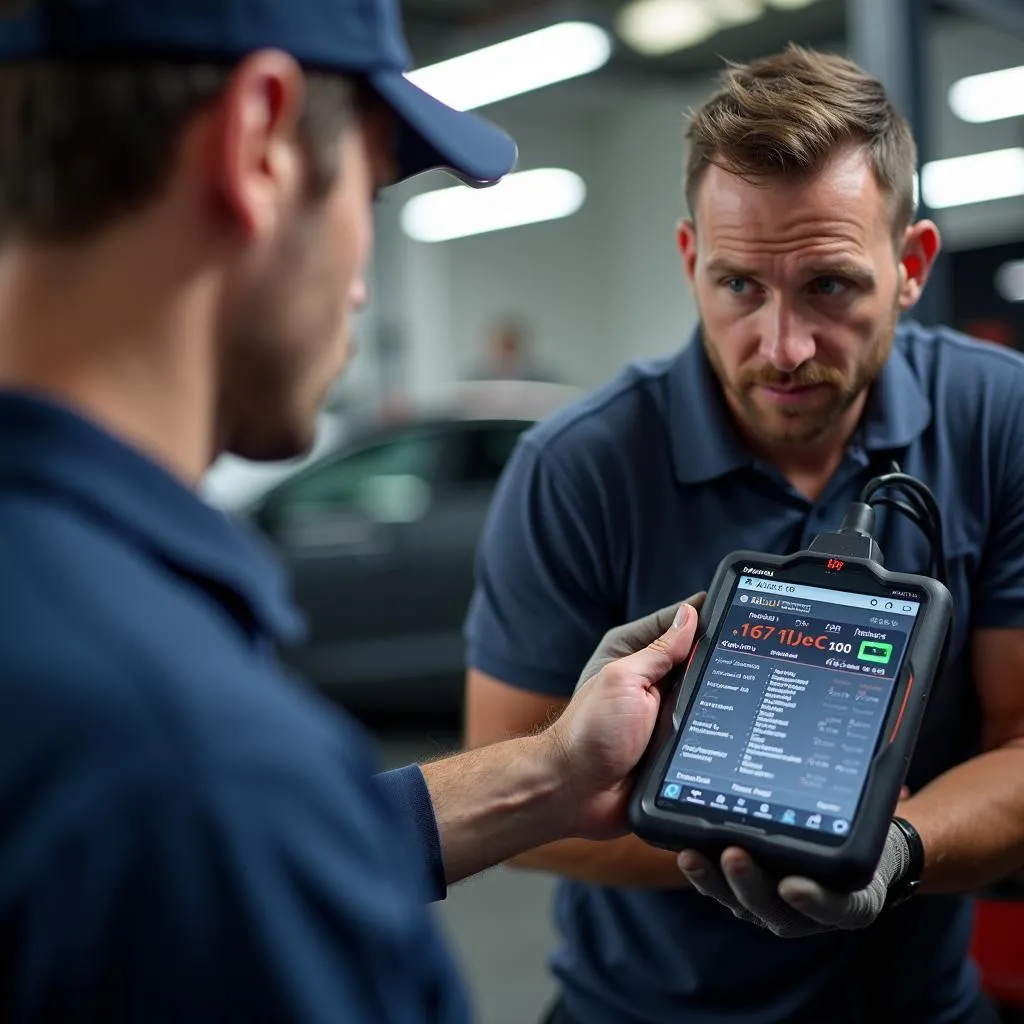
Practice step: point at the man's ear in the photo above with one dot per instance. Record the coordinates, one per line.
(256, 159)
(686, 237)
(921, 246)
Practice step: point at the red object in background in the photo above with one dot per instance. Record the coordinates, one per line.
(998, 949)
(999, 332)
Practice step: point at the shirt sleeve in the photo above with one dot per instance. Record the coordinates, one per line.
(543, 596)
(268, 896)
(406, 788)
(999, 600)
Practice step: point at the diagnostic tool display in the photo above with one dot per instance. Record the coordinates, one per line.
(790, 709)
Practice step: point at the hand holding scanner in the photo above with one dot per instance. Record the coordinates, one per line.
(790, 731)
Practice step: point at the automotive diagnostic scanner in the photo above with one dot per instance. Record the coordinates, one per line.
(790, 731)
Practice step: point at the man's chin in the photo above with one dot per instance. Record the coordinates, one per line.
(801, 429)
(797, 425)
(295, 443)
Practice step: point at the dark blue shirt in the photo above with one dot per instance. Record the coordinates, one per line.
(627, 502)
(185, 834)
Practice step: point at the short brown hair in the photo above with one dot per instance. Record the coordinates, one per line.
(85, 144)
(785, 115)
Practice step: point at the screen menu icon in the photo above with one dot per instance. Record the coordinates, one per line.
(744, 806)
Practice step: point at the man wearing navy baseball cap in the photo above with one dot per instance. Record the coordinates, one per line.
(186, 834)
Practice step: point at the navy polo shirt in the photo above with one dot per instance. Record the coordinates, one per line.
(626, 502)
(185, 833)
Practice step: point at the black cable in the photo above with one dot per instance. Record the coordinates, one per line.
(923, 523)
(911, 486)
(906, 509)
(930, 522)
(911, 498)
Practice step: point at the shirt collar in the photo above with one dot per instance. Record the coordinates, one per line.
(897, 411)
(706, 444)
(48, 447)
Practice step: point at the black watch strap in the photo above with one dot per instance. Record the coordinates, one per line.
(902, 889)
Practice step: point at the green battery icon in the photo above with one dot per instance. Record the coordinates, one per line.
(872, 650)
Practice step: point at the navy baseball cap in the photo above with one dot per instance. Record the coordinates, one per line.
(361, 38)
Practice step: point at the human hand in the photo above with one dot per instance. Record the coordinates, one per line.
(603, 732)
(796, 906)
(634, 636)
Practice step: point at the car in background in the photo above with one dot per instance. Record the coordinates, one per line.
(379, 537)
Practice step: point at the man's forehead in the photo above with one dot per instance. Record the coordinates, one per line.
(842, 200)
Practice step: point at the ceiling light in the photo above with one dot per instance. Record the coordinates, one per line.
(1010, 281)
(657, 27)
(529, 197)
(977, 178)
(790, 5)
(532, 61)
(737, 12)
(989, 97)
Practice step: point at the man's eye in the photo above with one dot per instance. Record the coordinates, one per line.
(829, 286)
(737, 285)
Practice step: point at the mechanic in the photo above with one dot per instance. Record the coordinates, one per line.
(800, 385)
(186, 834)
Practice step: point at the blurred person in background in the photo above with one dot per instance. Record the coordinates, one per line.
(509, 356)
(801, 384)
(187, 835)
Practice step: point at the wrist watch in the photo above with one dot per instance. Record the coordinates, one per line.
(906, 885)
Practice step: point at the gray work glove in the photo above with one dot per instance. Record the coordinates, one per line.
(794, 907)
(634, 636)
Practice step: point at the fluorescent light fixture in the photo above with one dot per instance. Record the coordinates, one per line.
(737, 12)
(989, 97)
(532, 61)
(657, 27)
(791, 5)
(528, 197)
(978, 178)
(1010, 281)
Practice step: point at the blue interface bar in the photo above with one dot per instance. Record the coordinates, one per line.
(799, 592)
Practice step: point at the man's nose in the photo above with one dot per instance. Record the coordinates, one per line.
(786, 342)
